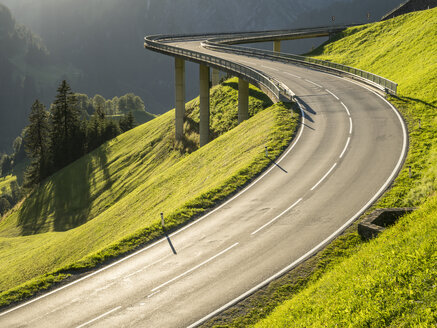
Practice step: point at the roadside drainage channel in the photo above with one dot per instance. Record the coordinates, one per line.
(377, 221)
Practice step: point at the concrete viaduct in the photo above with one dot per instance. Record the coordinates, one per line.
(221, 42)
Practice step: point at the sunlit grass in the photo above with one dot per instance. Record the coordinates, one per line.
(389, 282)
(109, 201)
(5, 183)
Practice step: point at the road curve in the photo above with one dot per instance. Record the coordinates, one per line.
(349, 147)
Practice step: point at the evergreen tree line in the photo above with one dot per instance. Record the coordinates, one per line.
(55, 138)
(115, 106)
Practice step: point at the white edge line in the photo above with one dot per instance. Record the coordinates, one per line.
(347, 110)
(176, 232)
(350, 125)
(277, 217)
(332, 94)
(99, 317)
(324, 177)
(325, 242)
(194, 268)
(345, 147)
(272, 68)
(317, 85)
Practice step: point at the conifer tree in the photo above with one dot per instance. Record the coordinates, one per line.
(66, 136)
(37, 144)
(127, 122)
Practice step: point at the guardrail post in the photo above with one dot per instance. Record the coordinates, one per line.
(180, 97)
(204, 104)
(215, 79)
(277, 46)
(243, 100)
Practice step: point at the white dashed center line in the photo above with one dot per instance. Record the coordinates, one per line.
(194, 268)
(294, 75)
(317, 85)
(347, 110)
(345, 147)
(324, 177)
(99, 317)
(277, 217)
(332, 94)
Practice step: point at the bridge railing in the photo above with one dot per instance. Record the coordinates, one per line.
(373, 79)
(276, 90)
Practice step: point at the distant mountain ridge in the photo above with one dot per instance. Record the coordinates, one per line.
(19, 49)
(97, 44)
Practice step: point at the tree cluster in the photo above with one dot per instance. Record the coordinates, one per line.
(56, 138)
(115, 106)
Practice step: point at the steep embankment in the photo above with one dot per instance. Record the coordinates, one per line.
(389, 281)
(109, 201)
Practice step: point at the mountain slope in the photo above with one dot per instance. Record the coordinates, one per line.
(109, 201)
(390, 281)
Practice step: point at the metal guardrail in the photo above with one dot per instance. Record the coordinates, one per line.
(253, 36)
(379, 82)
(276, 90)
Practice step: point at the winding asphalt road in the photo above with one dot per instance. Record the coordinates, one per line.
(349, 147)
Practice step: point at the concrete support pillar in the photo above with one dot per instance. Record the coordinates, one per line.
(215, 77)
(277, 46)
(180, 97)
(243, 100)
(204, 104)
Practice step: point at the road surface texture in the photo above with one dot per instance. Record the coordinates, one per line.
(348, 149)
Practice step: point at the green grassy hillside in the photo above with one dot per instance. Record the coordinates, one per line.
(109, 201)
(403, 50)
(5, 183)
(390, 281)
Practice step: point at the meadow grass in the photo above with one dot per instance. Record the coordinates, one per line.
(390, 282)
(386, 282)
(109, 202)
(5, 183)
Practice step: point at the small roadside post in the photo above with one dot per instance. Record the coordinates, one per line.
(409, 171)
(162, 220)
(267, 151)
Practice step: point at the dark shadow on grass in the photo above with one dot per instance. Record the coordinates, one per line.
(252, 93)
(64, 202)
(406, 99)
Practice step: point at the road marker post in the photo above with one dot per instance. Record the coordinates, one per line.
(162, 221)
(409, 171)
(267, 151)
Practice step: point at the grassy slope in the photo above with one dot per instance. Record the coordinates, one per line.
(5, 183)
(109, 201)
(389, 281)
(140, 117)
